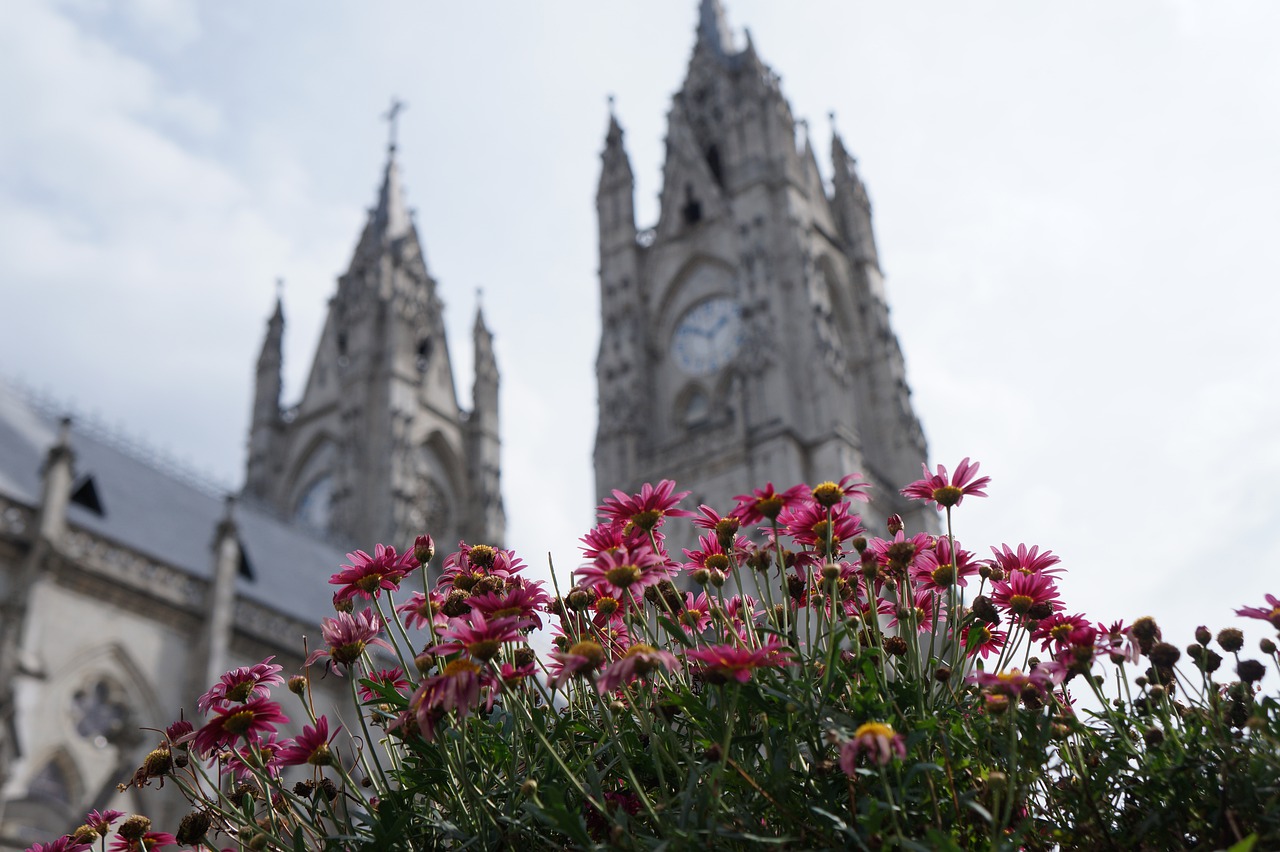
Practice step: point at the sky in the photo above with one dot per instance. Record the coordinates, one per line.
(1075, 205)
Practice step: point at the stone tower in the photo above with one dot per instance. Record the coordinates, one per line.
(378, 449)
(746, 337)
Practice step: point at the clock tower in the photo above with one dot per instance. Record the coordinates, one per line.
(745, 337)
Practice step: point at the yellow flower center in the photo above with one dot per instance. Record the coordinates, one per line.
(623, 575)
(875, 729)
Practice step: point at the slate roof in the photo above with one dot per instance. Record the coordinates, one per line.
(166, 516)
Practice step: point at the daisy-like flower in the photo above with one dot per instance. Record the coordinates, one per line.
(368, 576)
(347, 636)
(696, 615)
(877, 741)
(457, 688)
(625, 570)
(478, 636)
(725, 528)
(922, 605)
(850, 486)
(1271, 614)
(1026, 560)
(100, 821)
(723, 663)
(947, 492)
(765, 502)
(580, 660)
(148, 842)
(66, 843)
(522, 602)
(243, 684)
(815, 525)
(1054, 632)
(419, 611)
(1120, 642)
(311, 746)
(236, 722)
(982, 641)
(640, 660)
(1021, 592)
(393, 678)
(1014, 681)
(473, 564)
(937, 570)
(262, 755)
(711, 554)
(646, 510)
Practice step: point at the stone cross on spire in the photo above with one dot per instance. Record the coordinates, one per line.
(390, 117)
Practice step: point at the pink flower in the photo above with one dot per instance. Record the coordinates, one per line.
(311, 746)
(878, 741)
(815, 525)
(393, 678)
(473, 563)
(1013, 682)
(625, 570)
(723, 663)
(1026, 561)
(580, 660)
(456, 688)
(241, 685)
(238, 721)
(65, 843)
(850, 486)
(647, 509)
(937, 488)
(935, 569)
(982, 641)
(765, 503)
(479, 637)
(1020, 592)
(149, 841)
(262, 755)
(419, 611)
(697, 612)
(1272, 615)
(367, 576)
(921, 609)
(640, 660)
(522, 602)
(347, 636)
(1055, 631)
(100, 821)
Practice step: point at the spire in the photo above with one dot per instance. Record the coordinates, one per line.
(713, 29)
(851, 203)
(390, 219)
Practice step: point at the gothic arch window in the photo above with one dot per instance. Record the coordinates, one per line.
(314, 486)
(100, 711)
(693, 407)
(433, 506)
(57, 783)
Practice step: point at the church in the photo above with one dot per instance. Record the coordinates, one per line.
(745, 338)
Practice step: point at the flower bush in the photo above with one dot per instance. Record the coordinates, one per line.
(792, 681)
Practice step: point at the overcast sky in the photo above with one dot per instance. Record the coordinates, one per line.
(1077, 208)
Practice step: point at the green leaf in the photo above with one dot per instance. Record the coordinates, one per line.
(1245, 845)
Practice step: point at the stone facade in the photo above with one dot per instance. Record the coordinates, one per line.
(126, 590)
(378, 448)
(746, 337)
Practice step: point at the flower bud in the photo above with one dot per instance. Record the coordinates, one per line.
(895, 524)
(1231, 639)
(702, 576)
(830, 571)
(298, 685)
(1203, 635)
(424, 549)
(1267, 646)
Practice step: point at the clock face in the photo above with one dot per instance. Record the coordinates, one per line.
(708, 336)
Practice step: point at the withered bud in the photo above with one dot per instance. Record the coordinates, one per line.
(1266, 646)
(942, 674)
(134, 827)
(579, 599)
(984, 610)
(1157, 692)
(894, 524)
(1251, 671)
(1163, 654)
(1203, 635)
(1040, 611)
(193, 827)
(1147, 632)
(1231, 639)
(1153, 736)
(895, 646)
(455, 605)
(524, 656)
